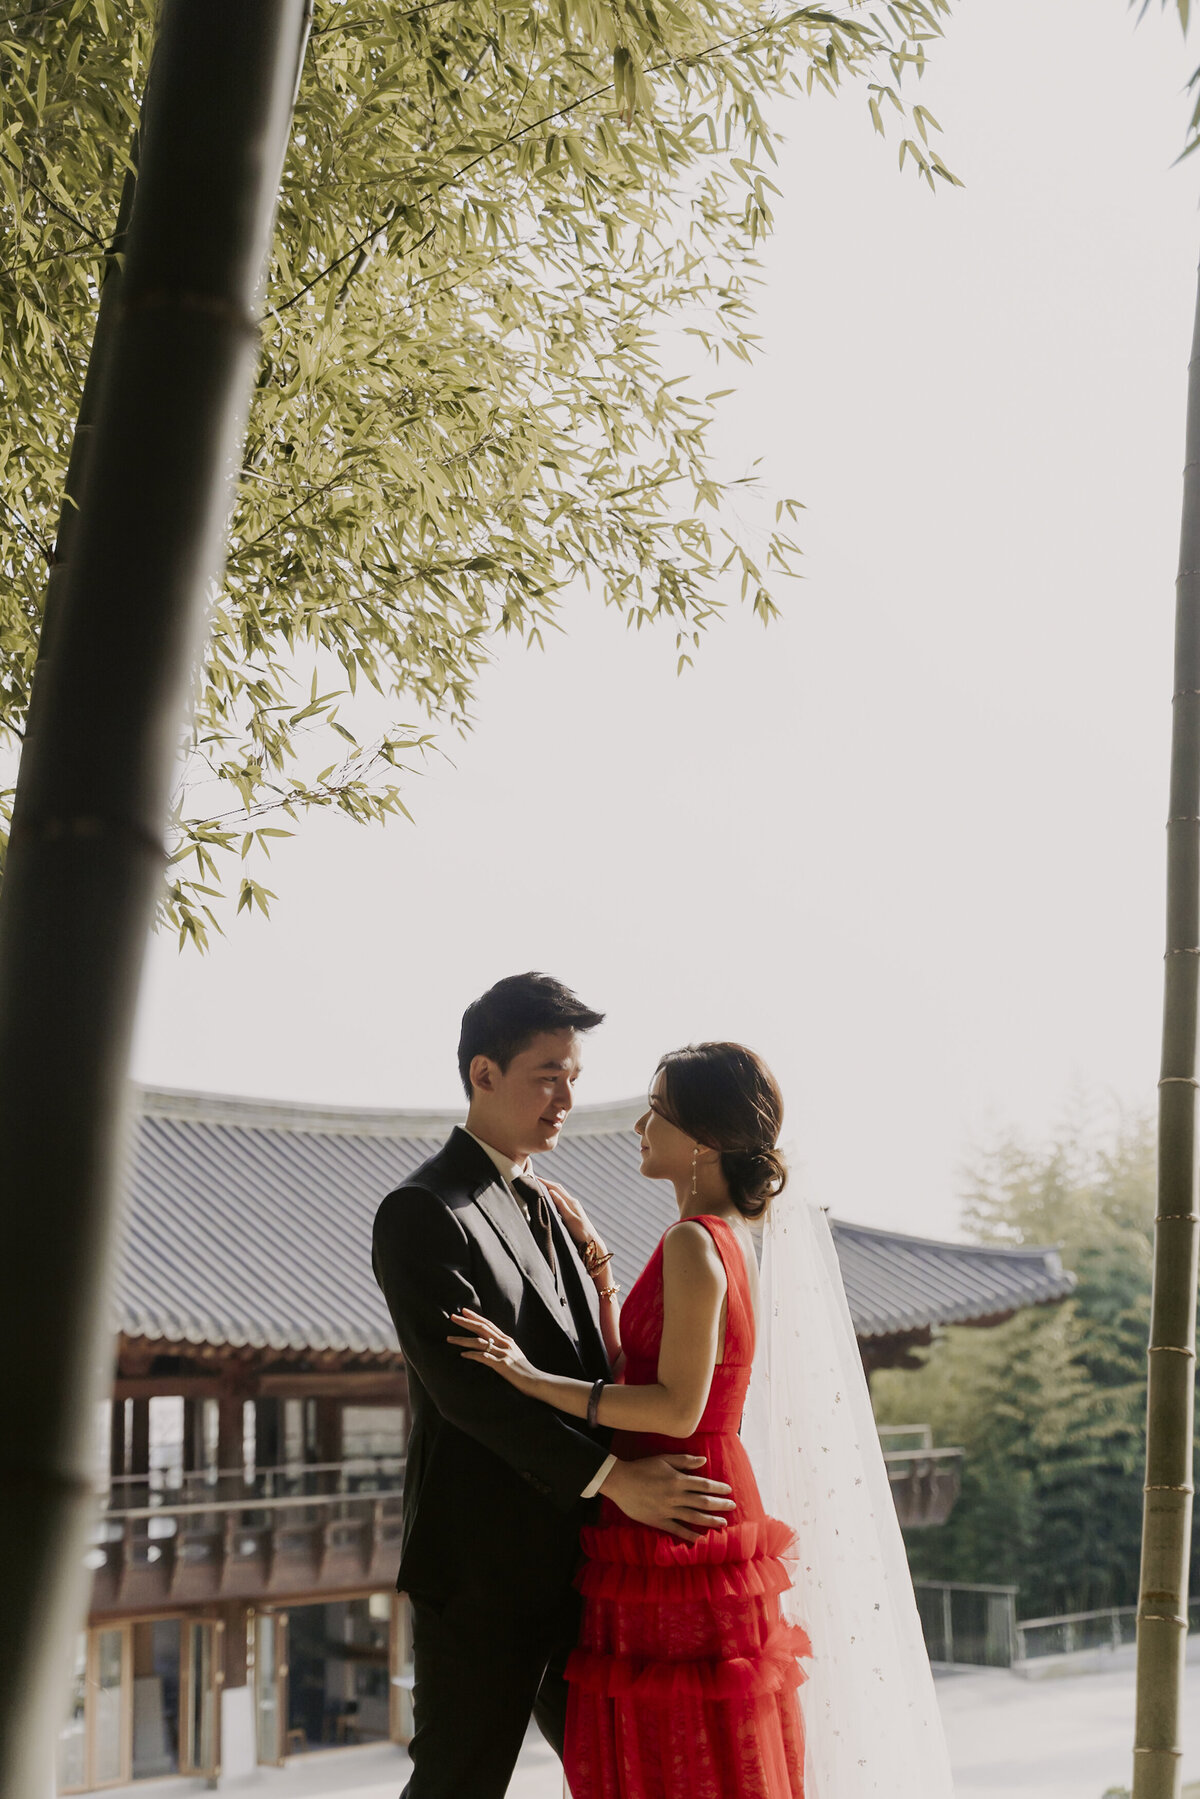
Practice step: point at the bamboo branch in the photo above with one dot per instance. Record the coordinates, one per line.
(39, 543)
(811, 15)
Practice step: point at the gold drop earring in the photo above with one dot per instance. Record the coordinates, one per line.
(695, 1170)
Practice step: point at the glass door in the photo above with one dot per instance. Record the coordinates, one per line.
(72, 1738)
(268, 1669)
(94, 1745)
(200, 1748)
(401, 1711)
(109, 1732)
(159, 1703)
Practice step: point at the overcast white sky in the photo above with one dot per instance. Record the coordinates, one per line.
(909, 841)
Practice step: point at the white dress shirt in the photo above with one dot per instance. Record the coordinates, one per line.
(509, 1171)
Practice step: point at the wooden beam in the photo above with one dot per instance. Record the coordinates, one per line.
(166, 1386)
(894, 1350)
(385, 1386)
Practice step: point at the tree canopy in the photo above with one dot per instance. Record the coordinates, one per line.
(1050, 1407)
(492, 215)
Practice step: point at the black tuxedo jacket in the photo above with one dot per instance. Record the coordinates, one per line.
(492, 1487)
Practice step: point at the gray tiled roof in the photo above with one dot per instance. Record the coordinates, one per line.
(250, 1225)
(896, 1283)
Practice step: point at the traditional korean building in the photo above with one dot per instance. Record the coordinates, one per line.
(243, 1607)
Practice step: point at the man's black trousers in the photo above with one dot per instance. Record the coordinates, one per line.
(482, 1668)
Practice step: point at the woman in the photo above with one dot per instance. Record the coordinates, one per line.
(684, 1682)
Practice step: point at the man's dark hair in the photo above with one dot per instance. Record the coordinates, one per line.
(505, 1020)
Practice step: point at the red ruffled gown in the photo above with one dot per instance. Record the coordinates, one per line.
(684, 1682)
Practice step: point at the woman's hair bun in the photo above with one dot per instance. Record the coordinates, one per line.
(754, 1177)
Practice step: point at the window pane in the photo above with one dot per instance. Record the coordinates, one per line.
(266, 1688)
(166, 1441)
(293, 1430)
(249, 1439)
(372, 1430)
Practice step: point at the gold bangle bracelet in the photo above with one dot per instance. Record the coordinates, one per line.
(609, 1292)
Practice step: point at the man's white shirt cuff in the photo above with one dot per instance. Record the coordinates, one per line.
(598, 1479)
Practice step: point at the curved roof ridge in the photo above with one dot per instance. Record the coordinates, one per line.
(366, 1121)
(1007, 1250)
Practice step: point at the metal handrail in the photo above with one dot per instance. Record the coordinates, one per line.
(251, 1505)
(1104, 1611)
(1101, 1611)
(239, 1473)
(919, 1455)
(965, 1586)
(260, 1486)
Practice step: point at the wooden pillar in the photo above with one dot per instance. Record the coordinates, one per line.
(139, 1437)
(268, 1432)
(193, 1436)
(329, 1430)
(116, 1439)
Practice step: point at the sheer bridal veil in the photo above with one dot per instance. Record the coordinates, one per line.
(871, 1718)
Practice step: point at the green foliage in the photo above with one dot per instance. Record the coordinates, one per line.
(1049, 1407)
(492, 217)
(1183, 8)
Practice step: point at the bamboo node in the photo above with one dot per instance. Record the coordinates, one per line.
(85, 828)
(1160, 1618)
(1152, 1489)
(1177, 1218)
(213, 306)
(1170, 1349)
(1180, 1080)
(1182, 952)
(1175, 1752)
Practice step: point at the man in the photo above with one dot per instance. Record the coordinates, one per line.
(497, 1486)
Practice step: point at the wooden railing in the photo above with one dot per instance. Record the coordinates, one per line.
(166, 1538)
(925, 1484)
(219, 1537)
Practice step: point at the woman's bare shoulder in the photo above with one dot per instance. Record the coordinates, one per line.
(688, 1249)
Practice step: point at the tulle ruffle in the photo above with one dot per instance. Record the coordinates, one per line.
(774, 1668)
(630, 1565)
(636, 1585)
(727, 1583)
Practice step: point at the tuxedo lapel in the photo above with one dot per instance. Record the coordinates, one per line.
(579, 1317)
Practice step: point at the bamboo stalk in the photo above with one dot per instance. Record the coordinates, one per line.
(86, 854)
(1167, 1514)
(106, 314)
